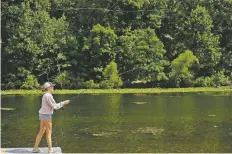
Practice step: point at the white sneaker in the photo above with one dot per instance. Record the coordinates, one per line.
(51, 151)
(35, 150)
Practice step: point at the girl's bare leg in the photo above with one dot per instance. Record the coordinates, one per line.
(48, 125)
(40, 134)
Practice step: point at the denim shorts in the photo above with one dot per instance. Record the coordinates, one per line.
(45, 116)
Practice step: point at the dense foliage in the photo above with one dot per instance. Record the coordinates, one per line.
(116, 43)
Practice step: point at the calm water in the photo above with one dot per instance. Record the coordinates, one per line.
(125, 123)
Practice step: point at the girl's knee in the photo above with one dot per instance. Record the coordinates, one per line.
(42, 131)
(48, 132)
(40, 135)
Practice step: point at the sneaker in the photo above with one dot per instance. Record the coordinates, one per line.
(35, 150)
(51, 151)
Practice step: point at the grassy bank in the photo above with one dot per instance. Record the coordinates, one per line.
(105, 91)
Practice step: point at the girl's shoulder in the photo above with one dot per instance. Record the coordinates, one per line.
(47, 94)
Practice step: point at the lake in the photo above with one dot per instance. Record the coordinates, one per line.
(149, 123)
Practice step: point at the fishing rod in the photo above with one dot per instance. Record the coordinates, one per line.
(74, 97)
(77, 95)
(127, 71)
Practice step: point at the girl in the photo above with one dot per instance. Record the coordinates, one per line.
(45, 116)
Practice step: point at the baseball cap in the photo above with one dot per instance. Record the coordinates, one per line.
(48, 84)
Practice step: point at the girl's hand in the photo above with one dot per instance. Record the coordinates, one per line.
(66, 102)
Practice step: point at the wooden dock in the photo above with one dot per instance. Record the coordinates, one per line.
(29, 150)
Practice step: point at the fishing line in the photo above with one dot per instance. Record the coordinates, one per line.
(128, 71)
(72, 99)
(56, 140)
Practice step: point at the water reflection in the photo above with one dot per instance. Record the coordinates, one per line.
(114, 123)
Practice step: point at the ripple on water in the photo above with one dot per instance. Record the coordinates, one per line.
(140, 103)
(104, 134)
(8, 109)
(149, 130)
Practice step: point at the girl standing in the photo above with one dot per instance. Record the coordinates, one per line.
(45, 116)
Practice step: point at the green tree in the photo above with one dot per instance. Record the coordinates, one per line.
(112, 79)
(220, 79)
(63, 79)
(204, 44)
(141, 56)
(36, 41)
(181, 66)
(135, 18)
(90, 84)
(216, 80)
(48, 38)
(98, 50)
(221, 13)
(30, 83)
(170, 32)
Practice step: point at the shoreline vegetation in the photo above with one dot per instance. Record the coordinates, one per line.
(123, 91)
(130, 43)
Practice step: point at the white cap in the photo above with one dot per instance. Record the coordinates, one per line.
(48, 84)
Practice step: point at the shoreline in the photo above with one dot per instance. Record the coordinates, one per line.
(123, 91)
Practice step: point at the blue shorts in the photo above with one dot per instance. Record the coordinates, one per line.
(45, 116)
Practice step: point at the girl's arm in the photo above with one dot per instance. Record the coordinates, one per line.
(53, 103)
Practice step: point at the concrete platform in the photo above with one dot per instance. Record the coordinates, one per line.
(29, 150)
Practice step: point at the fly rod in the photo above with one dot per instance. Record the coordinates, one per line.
(74, 97)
